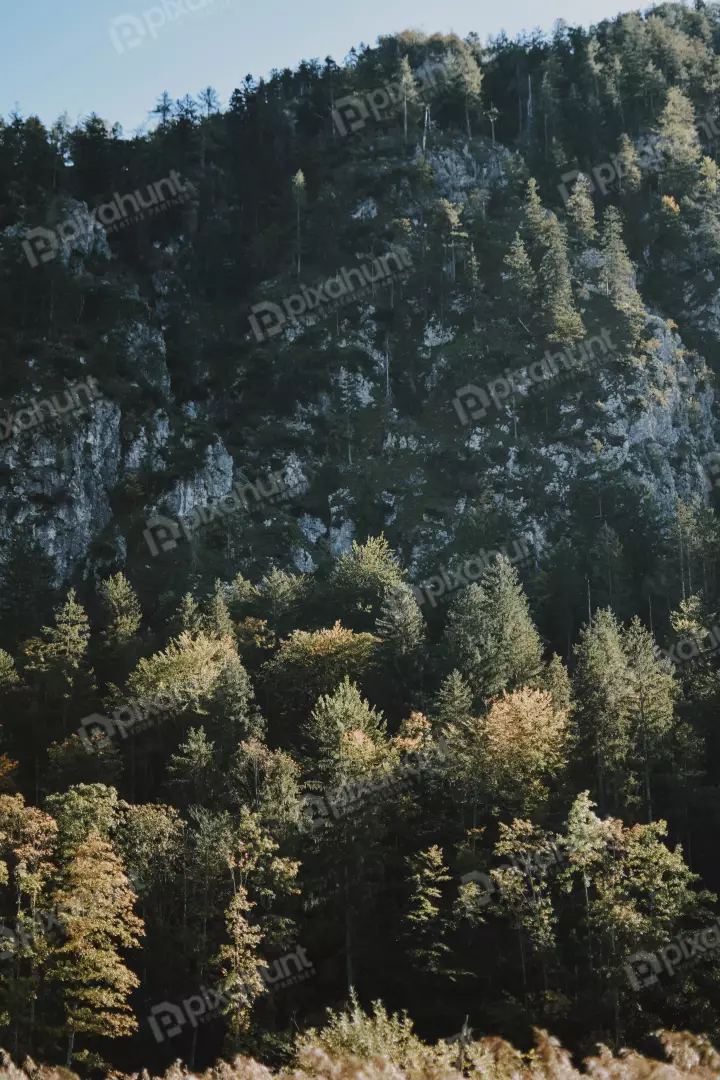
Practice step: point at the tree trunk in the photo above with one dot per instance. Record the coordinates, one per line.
(71, 1043)
(348, 937)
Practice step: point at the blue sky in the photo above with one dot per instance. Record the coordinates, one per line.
(60, 56)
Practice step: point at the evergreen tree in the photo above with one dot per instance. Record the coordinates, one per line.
(120, 601)
(490, 636)
(193, 770)
(281, 596)
(618, 273)
(466, 79)
(400, 623)
(425, 928)
(347, 732)
(555, 679)
(8, 672)
(627, 158)
(188, 618)
(581, 210)
(409, 104)
(601, 687)
(453, 704)
(562, 321)
(652, 694)
(678, 140)
(299, 193)
(523, 275)
(535, 214)
(361, 578)
(217, 622)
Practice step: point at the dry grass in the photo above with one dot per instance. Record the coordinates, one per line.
(491, 1058)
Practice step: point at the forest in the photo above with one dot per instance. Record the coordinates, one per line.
(409, 758)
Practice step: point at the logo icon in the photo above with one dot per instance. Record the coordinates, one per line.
(314, 809)
(352, 106)
(475, 877)
(272, 319)
(642, 969)
(126, 32)
(477, 400)
(167, 532)
(96, 721)
(171, 1017)
(40, 245)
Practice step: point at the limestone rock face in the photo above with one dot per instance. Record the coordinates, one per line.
(380, 443)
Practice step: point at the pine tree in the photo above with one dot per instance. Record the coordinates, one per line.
(652, 694)
(601, 685)
(86, 973)
(163, 109)
(562, 321)
(466, 79)
(453, 704)
(348, 733)
(120, 639)
(523, 275)
(555, 679)
(281, 595)
(581, 210)
(678, 140)
(425, 927)
(535, 215)
(217, 622)
(58, 662)
(490, 636)
(188, 618)
(409, 96)
(400, 623)
(618, 273)
(233, 714)
(119, 599)
(627, 159)
(361, 578)
(299, 192)
(193, 769)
